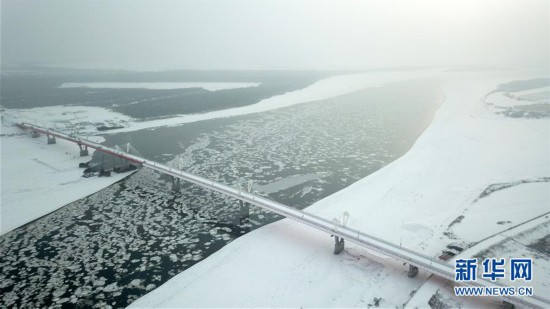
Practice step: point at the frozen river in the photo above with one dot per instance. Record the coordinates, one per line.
(114, 246)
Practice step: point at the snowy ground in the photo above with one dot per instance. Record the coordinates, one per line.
(38, 178)
(81, 120)
(417, 201)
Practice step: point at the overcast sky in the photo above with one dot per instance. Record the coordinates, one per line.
(152, 35)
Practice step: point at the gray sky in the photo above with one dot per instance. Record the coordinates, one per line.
(152, 35)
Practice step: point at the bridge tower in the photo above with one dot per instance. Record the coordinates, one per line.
(176, 182)
(121, 164)
(125, 165)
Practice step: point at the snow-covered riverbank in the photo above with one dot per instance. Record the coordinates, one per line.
(38, 178)
(426, 200)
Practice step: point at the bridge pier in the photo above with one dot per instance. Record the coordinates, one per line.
(176, 184)
(83, 150)
(35, 134)
(51, 139)
(339, 244)
(244, 210)
(413, 271)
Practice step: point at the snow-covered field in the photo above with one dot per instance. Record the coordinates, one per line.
(82, 120)
(38, 178)
(160, 85)
(426, 200)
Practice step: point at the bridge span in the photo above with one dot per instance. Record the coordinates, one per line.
(415, 260)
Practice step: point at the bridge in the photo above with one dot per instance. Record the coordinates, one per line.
(341, 233)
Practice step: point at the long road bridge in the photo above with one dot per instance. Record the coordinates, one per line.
(415, 260)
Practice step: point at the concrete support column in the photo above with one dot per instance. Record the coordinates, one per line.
(35, 134)
(413, 271)
(51, 139)
(244, 210)
(339, 244)
(83, 150)
(176, 184)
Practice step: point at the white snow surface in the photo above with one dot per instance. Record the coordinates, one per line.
(210, 86)
(512, 203)
(37, 178)
(410, 202)
(67, 118)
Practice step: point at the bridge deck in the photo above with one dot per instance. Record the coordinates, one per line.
(424, 262)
